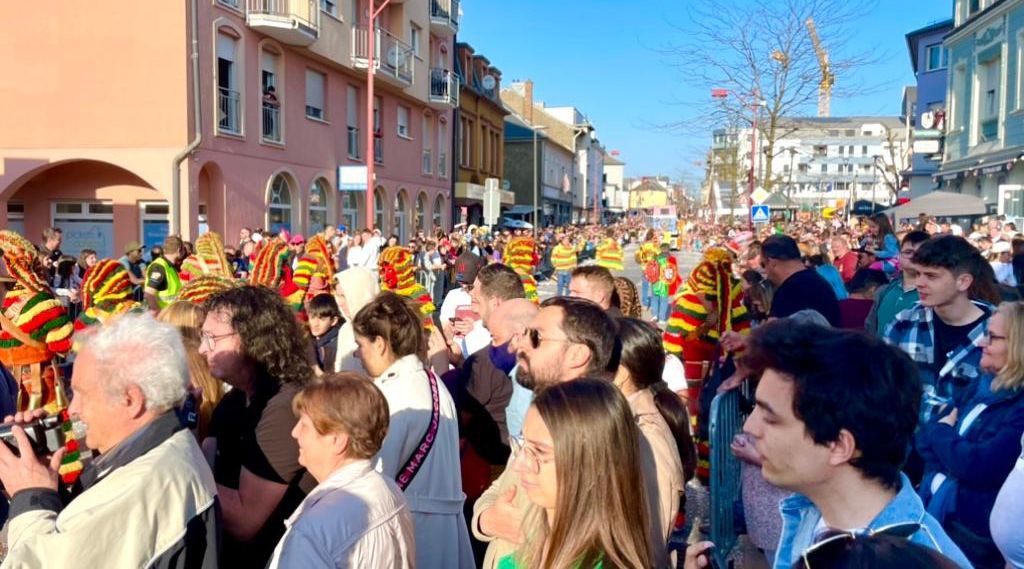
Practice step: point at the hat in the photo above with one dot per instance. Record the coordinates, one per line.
(342, 228)
(297, 240)
(1001, 247)
(467, 265)
(132, 246)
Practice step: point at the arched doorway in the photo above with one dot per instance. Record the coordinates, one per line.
(279, 204)
(438, 217)
(319, 207)
(379, 199)
(401, 217)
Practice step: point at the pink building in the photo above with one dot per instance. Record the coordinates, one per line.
(97, 116)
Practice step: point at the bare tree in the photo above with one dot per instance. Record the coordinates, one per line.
(760, 50)
(893, 162)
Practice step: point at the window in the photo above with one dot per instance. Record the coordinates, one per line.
(315, 94)
(959, 85)
(935, 57)
(824, 168)
(849, 150)
(989, 76)
(352, 121)
(402, 122)
(851, 132)
(318, 206)
(16, 217)
(353, 15)
(428, 143)
(420, 214)
(841, 150)
(279, 205)
(833, 133)
(401, 216)
(864, 150)
(378, 140)
(232, 3)
(86, 225)
(466, 136)
(229, 100)
(329, 6)
(485, 151)
(415, 35)
(155, 226)
(1019, 104)
(378, 208)
(821, 150)
(350, 211)
(271, 98)
(442, 148)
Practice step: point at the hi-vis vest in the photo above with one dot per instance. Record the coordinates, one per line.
(169, 294)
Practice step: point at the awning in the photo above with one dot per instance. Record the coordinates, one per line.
(519, 210)
(1002, 162)
(940, 204)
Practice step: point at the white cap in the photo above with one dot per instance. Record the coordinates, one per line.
(1001, 247)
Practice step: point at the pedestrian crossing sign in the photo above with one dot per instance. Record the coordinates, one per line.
(760, 214)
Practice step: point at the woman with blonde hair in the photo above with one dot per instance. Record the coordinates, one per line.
(579, 463)
(969, 452)
(188, 318)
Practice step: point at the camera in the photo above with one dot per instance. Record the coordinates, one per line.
(46, 436)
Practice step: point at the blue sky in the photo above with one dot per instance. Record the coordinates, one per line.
(602, 57)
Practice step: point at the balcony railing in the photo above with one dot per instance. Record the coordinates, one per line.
(444, 17)
(444, 87)
(393, 58)
(295, 22)
(229, 107)
(271, 122)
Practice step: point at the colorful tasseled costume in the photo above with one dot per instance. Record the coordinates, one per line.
(609, 254)
(313, 272)
(35, 331)
(693, 334)
(208, 259)
(521, 254)
(270, 267)
(398, 274)
(106, 293)
(198, 289)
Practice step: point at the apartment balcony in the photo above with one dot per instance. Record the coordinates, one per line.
(229, 111)
(444, 17)
(444, 89)
(392, 58)
(271, 123)
(292, 22)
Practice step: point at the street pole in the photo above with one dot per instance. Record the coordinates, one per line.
(535, 182)
(371, 40)
(753, 163)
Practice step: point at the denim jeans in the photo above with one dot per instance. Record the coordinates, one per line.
(659, 307)
(563, 282)
(645, 292)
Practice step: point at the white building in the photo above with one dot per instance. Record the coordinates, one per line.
(616, 195)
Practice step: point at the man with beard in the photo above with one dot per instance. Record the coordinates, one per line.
(568, 339)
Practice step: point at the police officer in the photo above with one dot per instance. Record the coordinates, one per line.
(162, 280)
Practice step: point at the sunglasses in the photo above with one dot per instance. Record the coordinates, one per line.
(536, 340)
(826, 551)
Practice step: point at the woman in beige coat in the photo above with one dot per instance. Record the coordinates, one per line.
(660, 414)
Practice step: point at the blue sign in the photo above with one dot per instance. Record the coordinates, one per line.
(760, 214)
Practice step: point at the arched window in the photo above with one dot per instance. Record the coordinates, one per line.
(438, 211)
(401, 217)
(350, 211)
(318, 207)
(378, 208)
(420, 214)
(279, 205)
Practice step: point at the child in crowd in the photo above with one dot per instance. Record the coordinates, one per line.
(324, 322)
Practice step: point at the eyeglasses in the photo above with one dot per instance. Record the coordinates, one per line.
(828, 549)
(536, 340)
(520, 449)
(210, 340)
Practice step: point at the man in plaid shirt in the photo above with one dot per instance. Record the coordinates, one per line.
(944, 330)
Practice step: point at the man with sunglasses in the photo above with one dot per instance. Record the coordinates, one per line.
(569, 338)
(835, 412)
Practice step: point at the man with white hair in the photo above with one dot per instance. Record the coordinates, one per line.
(149, 498)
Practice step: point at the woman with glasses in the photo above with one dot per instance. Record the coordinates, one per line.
(579, 461)
(421, 450)
(660, 415)
(969, 452)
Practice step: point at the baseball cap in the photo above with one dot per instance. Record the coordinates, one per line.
(467, 265)
(1001, 247)
(342, 228)
(297, 240)
(132, 246)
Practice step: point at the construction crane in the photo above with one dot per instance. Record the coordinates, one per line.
(827, 77)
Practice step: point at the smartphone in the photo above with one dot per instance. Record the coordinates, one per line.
(465, 312)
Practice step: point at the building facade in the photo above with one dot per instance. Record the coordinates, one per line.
(616, 194)
(479, 134)
(926, 106)
(92, 142)
(984, 138)
(530, 150)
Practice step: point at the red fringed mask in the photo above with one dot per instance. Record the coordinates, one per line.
(390, 277)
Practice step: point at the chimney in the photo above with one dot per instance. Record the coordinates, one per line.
(528, 101)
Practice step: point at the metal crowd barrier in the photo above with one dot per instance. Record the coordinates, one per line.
(725, 422)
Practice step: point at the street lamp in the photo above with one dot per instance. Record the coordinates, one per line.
(371, 40)
(536, 128)
(755, 103)
(874, 181)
